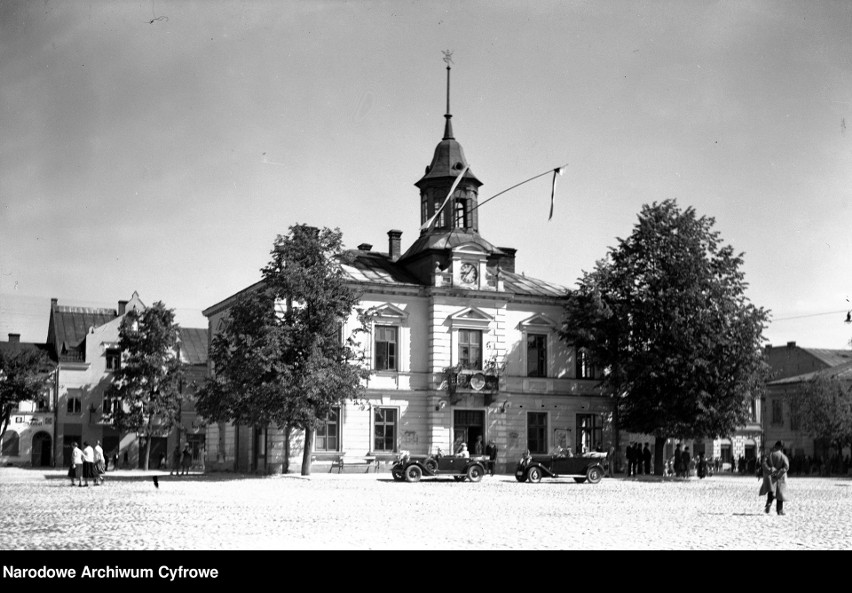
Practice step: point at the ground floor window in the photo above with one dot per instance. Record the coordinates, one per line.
(384, 429)
(589, 432)
(727, 453)
(328, 432)
(537, 432)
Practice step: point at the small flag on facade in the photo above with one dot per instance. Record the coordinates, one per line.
(556, 171)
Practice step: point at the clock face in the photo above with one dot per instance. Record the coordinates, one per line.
(468, 273)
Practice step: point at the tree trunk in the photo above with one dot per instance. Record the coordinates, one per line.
(288, 430)
(147, 451)
(659, 449)
(306, 454)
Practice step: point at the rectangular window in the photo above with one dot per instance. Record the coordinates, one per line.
(470, 349)
(589, 432)
(384, 429)
(536, 355)
(386, 348)
(777, 412)
(794, 420)
(328, 433)
(74, 405)
(537, 432)
(113, 359)
(585, 370)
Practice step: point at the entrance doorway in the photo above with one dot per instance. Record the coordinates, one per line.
(42, 450)
(467, 426)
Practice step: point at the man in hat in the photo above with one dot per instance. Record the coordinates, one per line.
(775, 468)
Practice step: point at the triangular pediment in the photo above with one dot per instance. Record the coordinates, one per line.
(470, 249)
(387, 311)
(471, 315)
(538, 321)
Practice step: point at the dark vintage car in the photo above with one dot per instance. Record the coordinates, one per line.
(586, 467)
(413, 467)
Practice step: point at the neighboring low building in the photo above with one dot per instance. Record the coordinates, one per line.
(84, 343)
(29, 438)
(793, 366)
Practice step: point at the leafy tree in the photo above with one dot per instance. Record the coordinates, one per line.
(321, 369)
(823, 408)
(24, 376)
(666, 316)
(148, 381)
(251, 383)
(288, 366)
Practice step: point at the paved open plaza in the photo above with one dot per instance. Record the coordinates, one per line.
(372, 512)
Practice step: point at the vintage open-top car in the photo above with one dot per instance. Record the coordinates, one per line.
(585, 467)
(413, 467)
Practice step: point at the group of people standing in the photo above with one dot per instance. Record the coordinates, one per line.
(181, 461)
(638, 459)
(87, 464)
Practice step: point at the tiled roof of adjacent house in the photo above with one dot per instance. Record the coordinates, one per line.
(12, 348)
(69, 325)
(193, 345)
(831, 357)
(841, 371)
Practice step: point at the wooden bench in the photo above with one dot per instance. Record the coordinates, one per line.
(367, 461)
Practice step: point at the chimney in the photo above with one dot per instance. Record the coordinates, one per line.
(365, 247)
(122, 307)
(14, 338)
(53, 303)
(394, 241)
(791, 344)
(507, 262)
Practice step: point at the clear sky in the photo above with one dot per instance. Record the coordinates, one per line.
(161, 146)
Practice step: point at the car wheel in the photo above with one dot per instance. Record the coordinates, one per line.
(431, 465)
(594, 475)
(413, 473)
(397, 474)
(579, 480)
(534, 475)
(474, 473)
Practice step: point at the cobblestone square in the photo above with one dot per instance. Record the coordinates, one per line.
(372, 512)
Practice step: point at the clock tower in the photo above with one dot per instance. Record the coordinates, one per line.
(449, 241)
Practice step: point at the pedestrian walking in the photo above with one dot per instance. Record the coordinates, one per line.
(491, 451)
(76, 469)
(176, 456)
(88, 462)
(100, 463)
(702, 465)
(685, 461)
(678, 462)
(646, 459)
(186, 460)
(774, 486)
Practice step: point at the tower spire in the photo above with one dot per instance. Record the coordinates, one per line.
(448, 127)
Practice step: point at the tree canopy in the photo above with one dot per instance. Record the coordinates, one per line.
(666, 316)
(25, 374)
(147, 383)
(823, 409)
(281, 360)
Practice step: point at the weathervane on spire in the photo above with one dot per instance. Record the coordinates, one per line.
(448, 57)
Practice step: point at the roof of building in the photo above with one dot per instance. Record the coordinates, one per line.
(70, 325)
(841, 371)
(375, 267)
(12, 348)
(193, 345)
(830, 357)
(448, 240)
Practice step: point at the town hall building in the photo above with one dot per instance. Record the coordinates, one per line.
(462, 348)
